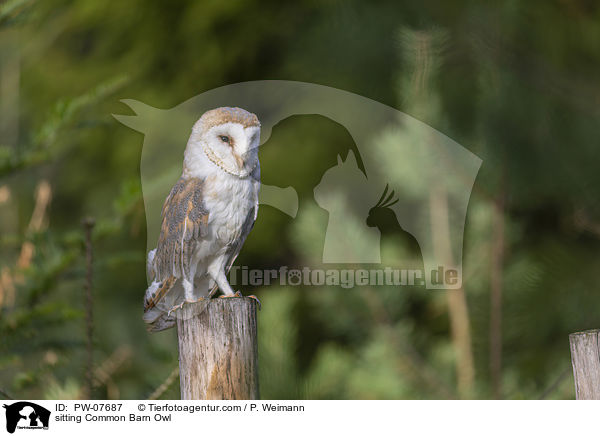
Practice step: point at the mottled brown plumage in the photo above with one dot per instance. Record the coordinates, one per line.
(184, 221)
(223, 115)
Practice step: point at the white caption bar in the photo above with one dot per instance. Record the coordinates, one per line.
(296, 417)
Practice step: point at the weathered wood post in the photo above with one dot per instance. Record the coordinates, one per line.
(585, 356)
(218, 350)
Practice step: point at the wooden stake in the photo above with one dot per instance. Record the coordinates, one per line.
(218, 350)
(585, 356)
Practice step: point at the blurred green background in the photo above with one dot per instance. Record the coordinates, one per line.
(514, 82)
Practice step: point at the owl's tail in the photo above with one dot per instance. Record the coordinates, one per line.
(159, 299)
(164, 299)
(164, 303)
(158, 295)
(157, 321)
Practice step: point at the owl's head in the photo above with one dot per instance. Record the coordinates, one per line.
(228, 137)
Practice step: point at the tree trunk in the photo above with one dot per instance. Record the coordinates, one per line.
(496, 296)
(218, 350)
(460, 326)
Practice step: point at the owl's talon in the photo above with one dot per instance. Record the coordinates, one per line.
(238, 294)
(180, 306)
(174, 308)
(254, 297)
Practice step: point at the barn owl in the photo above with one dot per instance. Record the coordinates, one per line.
(207, 215)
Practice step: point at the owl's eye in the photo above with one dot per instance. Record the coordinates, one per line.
(224, 138)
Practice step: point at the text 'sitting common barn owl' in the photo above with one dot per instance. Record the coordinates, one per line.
(207, 215)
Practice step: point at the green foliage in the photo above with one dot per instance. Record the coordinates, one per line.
(44, 146)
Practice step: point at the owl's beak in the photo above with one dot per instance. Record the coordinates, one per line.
(239, 160)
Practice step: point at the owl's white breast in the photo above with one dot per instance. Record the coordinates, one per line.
(228, 199)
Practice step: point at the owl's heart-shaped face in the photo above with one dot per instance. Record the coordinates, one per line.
(233, 146)
(229, 138)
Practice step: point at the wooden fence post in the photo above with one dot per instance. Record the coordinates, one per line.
(585, 356)
(218, 350)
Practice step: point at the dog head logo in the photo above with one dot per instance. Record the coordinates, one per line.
(26, 415)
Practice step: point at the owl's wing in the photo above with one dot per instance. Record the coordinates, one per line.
(256, 184)
(184, 223)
